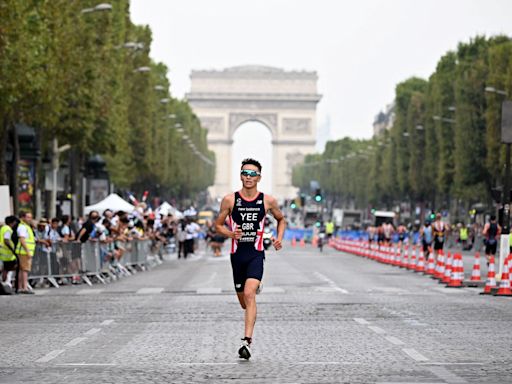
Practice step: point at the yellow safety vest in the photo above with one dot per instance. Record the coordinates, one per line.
(463, 234)
(5, 252)
(329, 227)
(30, 242)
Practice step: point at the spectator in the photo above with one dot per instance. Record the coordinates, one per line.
(25, 250)
(65, 230)
(41, 233)
(53, 231)
(7, 249)
(192, 233)
(88, 228)
(182, 237)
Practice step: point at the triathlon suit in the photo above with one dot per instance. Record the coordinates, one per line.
(247, 253)
(491, 243)
(438, 235)
(427, 237)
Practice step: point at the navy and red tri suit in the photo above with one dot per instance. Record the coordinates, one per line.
(247, 253)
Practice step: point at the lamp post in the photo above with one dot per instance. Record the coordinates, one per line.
(56, 151)
(98, 8)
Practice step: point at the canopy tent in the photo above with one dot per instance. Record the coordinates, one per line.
(167, 208)
(113, 202)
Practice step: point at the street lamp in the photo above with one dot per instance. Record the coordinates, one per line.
(159, 87)
(165, 100)
(405, 134)
(98, 8)
(498, 91)
(420, 127)
(142, 69)
(443, 119)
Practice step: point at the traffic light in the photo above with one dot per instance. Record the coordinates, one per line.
(318, 195)
(293, 205)
(373, 211)
(432, 216)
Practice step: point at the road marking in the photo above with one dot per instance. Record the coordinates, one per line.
(149, 291)
(92, 331)
(205, 364)
(377, 330)
(50, 356)
(394, 340)
(406, 382)
(75, 341)
(107, 322)
(331, 283)
(361, 321)
(414, 354)
(446, 290)
(267, 289)
(85, 364)
(208, 291)
(41, 292)
(469, 363)
(446, 375)
(89, 291)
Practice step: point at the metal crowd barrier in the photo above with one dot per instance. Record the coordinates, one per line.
(69, 260)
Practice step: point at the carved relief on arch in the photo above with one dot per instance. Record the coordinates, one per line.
(213, 124)
(268, 119)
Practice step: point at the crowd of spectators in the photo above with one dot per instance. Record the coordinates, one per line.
(21, 236)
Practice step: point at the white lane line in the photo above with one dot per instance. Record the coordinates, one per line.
(205, 364)
(361, 321)
(208, 291)
(85, 364)
(438, 363)
(394, 340)
(50, 356)
(407, 382)
(331, 283)
(149, 291)
(107, 322)
(447, 290)
(267, 289)
(76, 341)
(89, 291)
(377, 330)
(41, 292)
(414, 354)
(446, 375)
(92, 331)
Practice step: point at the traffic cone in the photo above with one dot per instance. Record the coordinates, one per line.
(448, 269)
(405, 257)
(457, 272)
(439, 273)
(302, 242)
(294, 241)
(475, 274)
(412, 259)
(420, 267)
(504, 289)
(314, 241)
(430, 263)
(490, 284)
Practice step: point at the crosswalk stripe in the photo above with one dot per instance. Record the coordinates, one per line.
(208, 291)
(89, 291)
(149, 291)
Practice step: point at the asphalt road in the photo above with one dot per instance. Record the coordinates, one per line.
(323, 318)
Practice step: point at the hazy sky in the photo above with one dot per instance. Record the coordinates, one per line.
(360, 48)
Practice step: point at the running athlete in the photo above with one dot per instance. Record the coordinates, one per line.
(491, 232)
(245, 211)
(439, 232)
(388, 230)
(426, 236)
(402, 233)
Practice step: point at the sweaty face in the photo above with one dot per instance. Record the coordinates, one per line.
(250, 181)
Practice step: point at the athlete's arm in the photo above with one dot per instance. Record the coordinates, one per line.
(273, 208)
(225, 210)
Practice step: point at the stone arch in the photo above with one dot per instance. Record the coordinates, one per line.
(284, 101)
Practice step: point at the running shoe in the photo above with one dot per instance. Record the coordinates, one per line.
(259, 289)
(244, 352)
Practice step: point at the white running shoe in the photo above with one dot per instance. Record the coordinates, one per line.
(244, 352)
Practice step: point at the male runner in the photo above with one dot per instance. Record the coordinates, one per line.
(439, 234)
(245, 211)
(492, 232)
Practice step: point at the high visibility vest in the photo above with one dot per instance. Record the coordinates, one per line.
(463, 234)
(30, 241)
(329, 227)
(5, 252)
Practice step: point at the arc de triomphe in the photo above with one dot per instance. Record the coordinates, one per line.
(284, 101)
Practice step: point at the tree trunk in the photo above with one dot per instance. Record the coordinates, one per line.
(15, 167)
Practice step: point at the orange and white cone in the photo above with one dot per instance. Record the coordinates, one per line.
(405, 257)
(412, 259)
(420, 266)
(302, 242)
(439, 272)
(475, 273)
(314, 241)
(490, 284)
(457, 272)
(430, 263)
(448, 269)
(294, 241)
(504, 289)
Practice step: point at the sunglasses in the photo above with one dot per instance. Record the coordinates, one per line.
(248, 172)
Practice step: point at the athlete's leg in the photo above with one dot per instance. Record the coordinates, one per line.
(249, 297)
(241, 299)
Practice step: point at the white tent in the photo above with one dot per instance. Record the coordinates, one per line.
(167, 208)
(113, 202)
